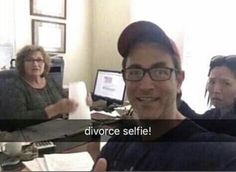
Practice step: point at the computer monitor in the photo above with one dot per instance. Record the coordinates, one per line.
(109, 85)
(57, 69)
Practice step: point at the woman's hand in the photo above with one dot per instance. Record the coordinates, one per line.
(61, 107)
(65, 106)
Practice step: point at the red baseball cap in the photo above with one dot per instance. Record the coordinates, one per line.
(151, 32)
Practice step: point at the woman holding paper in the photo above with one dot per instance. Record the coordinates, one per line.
(33, 96)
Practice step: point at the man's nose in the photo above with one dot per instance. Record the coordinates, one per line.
(146, 83)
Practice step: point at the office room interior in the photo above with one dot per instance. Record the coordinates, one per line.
(201, 30)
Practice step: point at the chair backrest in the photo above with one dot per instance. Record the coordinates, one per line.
(5, 76)
(6, 80)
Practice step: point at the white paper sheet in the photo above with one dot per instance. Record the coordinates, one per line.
(78, 92)
(81, 161)
(33, 165)
(42, 164)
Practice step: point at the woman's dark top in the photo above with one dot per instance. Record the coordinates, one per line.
(213, 119)
(25, 105)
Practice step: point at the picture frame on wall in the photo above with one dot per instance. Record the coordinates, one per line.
(50, 35)
(48, 8)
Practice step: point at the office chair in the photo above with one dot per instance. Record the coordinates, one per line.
(6, 79)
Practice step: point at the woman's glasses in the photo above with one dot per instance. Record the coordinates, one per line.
(39, 61)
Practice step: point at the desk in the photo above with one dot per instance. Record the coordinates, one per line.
(60, 130)
(79, 161)
(50, 130)
(92, 148)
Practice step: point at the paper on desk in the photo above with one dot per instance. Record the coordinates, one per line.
(112, 114)
(78, 92)
(81, 161)
(42, 164)
(35, 164)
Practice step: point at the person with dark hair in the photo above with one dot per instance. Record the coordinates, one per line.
(153, 77)
(33, 97)
(221, 92)
(221, 85)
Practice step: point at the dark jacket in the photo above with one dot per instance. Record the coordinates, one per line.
(186, 147)
(212, 119)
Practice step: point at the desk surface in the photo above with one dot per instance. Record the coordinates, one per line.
(50, 129)
(59, 129)
(92, 148)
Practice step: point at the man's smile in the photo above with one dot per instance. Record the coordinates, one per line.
(147, 99)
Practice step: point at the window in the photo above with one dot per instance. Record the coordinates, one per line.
(7, 32)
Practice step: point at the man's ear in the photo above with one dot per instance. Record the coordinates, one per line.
(180, 75)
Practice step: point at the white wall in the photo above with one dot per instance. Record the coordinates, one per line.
(170, 18)
(78, 37)
(109, 19)
(79, 40)
(201, 29)
(22, 23)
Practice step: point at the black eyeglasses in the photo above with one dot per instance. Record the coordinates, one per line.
(155, 73)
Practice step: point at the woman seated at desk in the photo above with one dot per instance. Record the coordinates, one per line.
(33, 97)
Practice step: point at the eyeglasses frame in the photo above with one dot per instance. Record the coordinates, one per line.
(148, 71)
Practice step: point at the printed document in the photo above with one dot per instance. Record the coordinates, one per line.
(78, 92)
